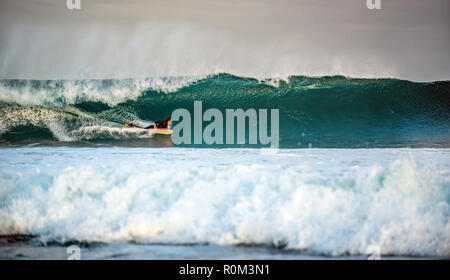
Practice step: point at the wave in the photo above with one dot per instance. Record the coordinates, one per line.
(68, 92)
(397, 199)
(333, 111)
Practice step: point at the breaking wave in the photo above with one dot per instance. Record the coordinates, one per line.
(331, 111)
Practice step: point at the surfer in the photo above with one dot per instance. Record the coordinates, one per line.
(157, 124)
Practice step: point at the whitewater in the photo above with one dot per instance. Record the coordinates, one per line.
(329, 202)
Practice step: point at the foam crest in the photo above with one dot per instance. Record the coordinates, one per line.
(276, 79)
(67, 92)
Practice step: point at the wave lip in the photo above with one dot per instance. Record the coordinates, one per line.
(69, 92)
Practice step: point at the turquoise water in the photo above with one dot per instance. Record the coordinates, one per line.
(325, 112)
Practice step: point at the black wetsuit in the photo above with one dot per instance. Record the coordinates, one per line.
(158, 124)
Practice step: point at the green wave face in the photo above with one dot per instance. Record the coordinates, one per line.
(332, 112)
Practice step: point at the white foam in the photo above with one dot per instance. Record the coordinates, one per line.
(53, 119)
(325, 201)
(72, 91)
(69, 124)
(276, 79)
(108, 132)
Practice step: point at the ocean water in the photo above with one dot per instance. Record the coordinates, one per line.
(293, 203)
(362, 164)
(323, 112)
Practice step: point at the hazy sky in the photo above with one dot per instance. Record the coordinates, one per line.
(42, 39)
